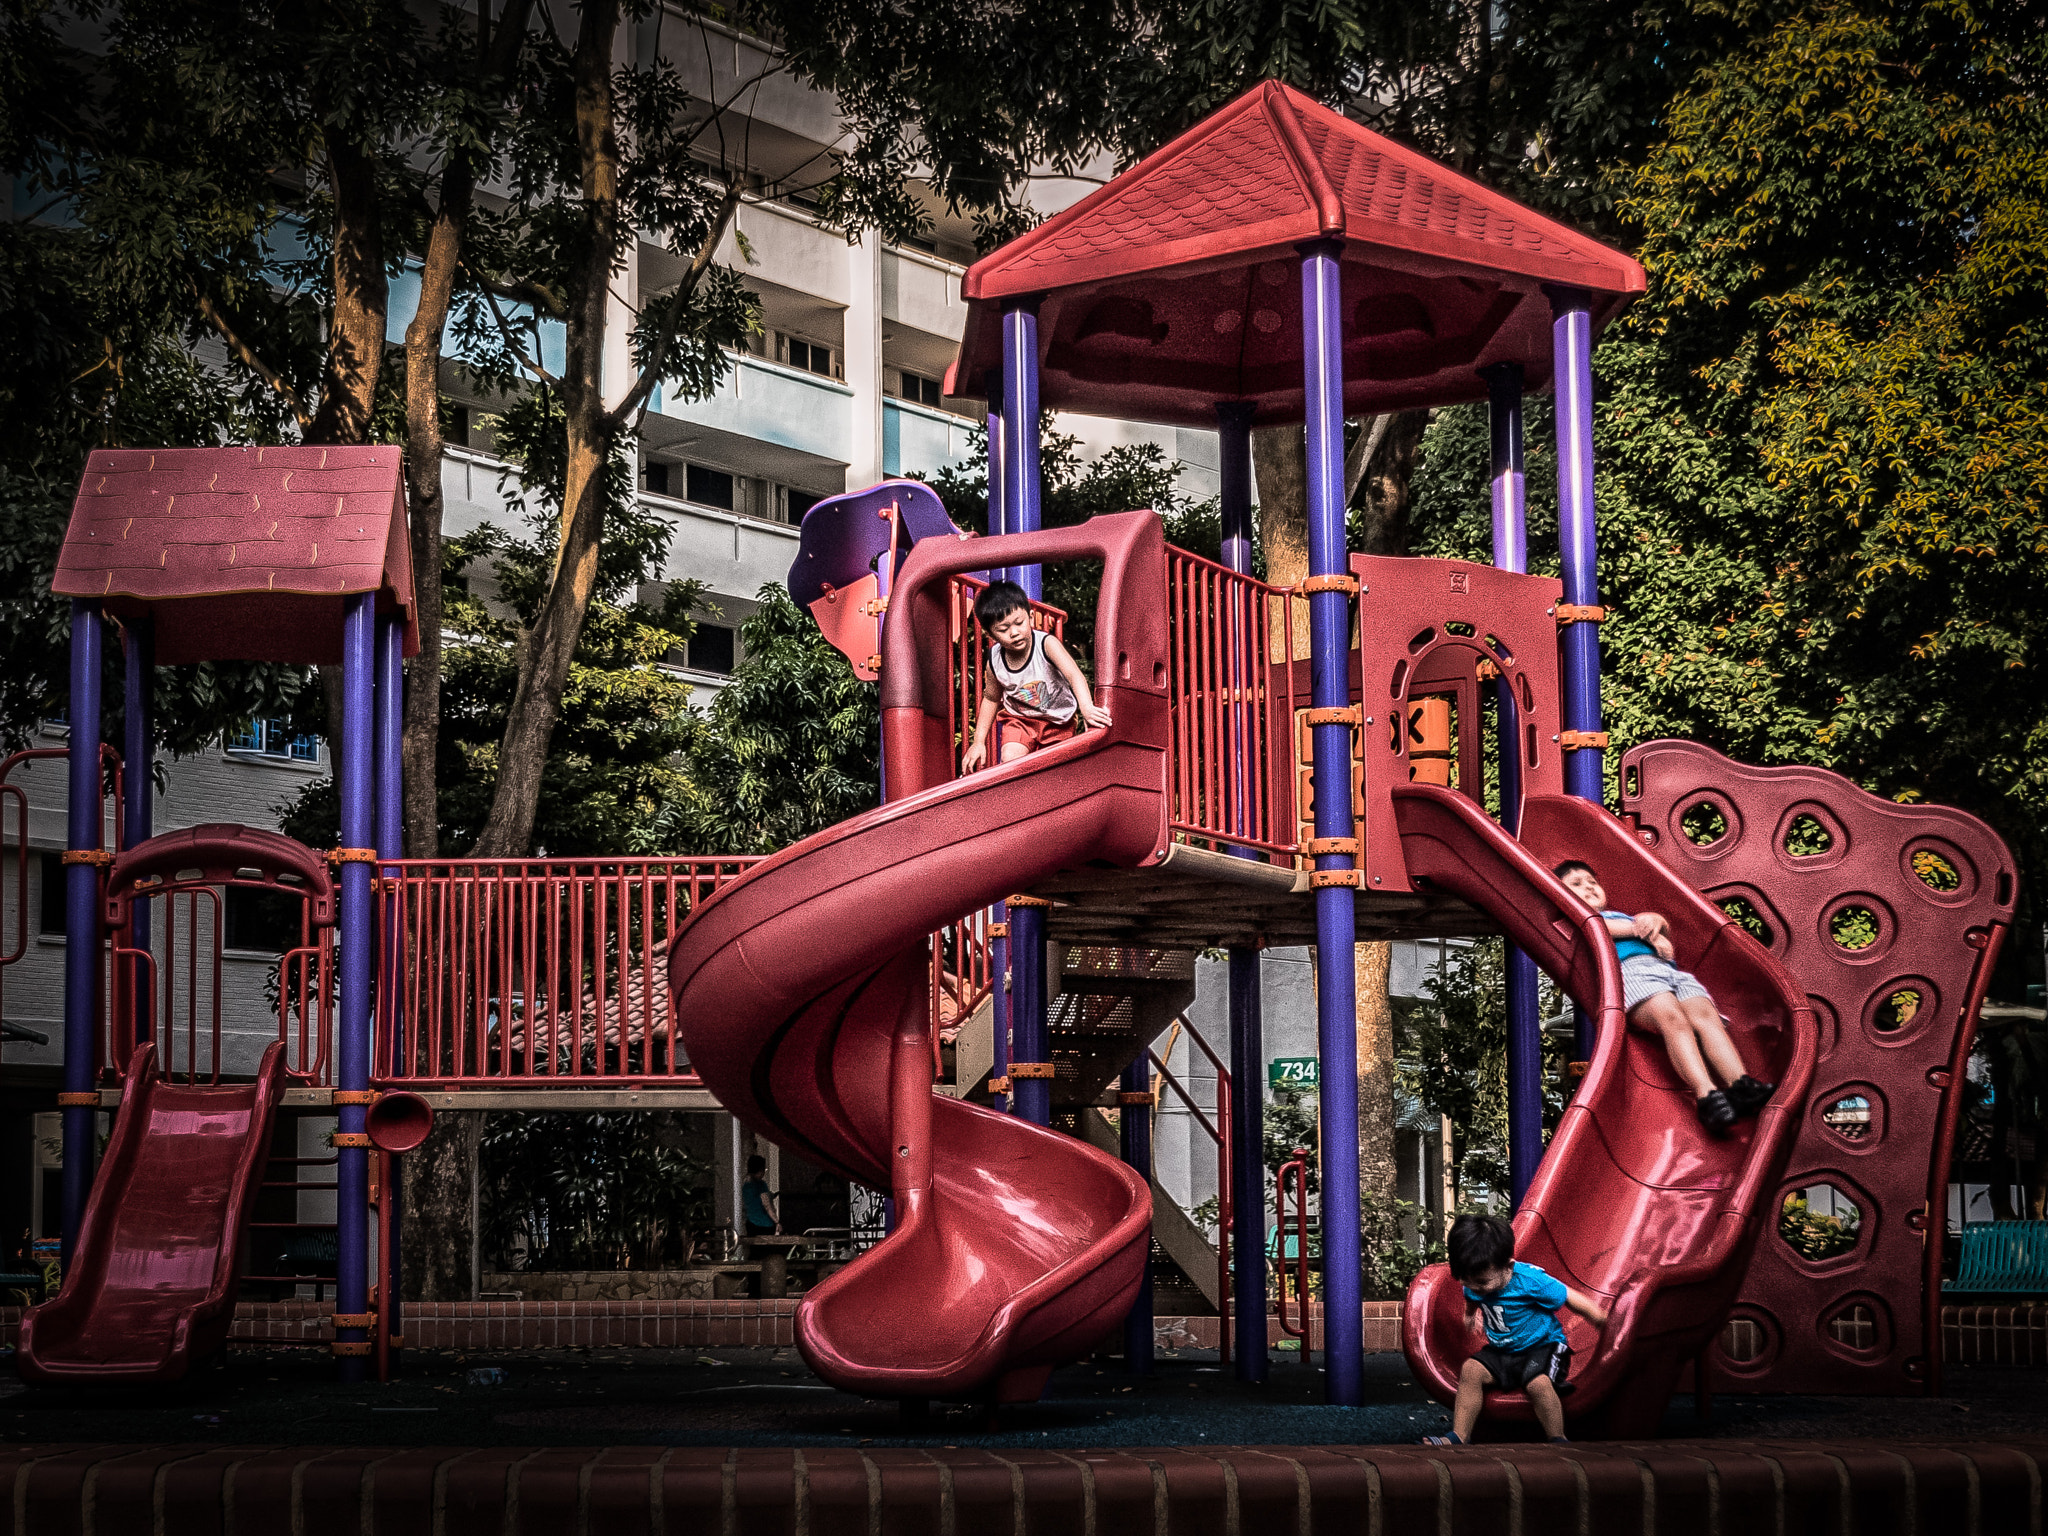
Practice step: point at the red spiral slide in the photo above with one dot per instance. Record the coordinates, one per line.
(1634, 1203)
(801, 997)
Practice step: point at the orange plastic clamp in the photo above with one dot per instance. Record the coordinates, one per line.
(1033, 1069)
(1340, 714)
(999, 1085)
(351, 1139)
(1316, 846)
(349, 1349)
(1137, 1098)
(874, 663)
(1581, 741)
(354, 1096)
(1577, 1068)
(1027, 901)
(1317, 878)
(352, 856)
(353, 1319)
(875, 607)
(78, 1101)
(1580, 613)
(1342, 582)
(88, 856)
(999, 930)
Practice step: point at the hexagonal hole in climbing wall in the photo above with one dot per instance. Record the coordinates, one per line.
(1853, 1115)
(1752, 911)
(1748, 1343)
(1820, 1223)
(1858, 1325)
(1857, 928)
(1900, 1009)
(1940, 870)
(1810, 838)
(1706, 823)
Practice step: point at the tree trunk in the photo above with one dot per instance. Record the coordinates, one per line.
(355, 337)
(546, 649)
(1375, 1025)
(437, 1258)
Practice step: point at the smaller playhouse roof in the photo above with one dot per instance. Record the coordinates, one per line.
(241, 554)
(1177, 286)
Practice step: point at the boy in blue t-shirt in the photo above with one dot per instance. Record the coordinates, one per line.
(1525, 1349)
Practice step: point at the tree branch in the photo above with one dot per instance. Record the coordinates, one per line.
(512, 346)
(643, 387)
(218, 318)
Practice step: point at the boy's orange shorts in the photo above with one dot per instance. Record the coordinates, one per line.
(1036, 735)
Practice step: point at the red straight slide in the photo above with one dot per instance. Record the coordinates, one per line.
(801, 995)
(1635, 1203)
(151, 1285)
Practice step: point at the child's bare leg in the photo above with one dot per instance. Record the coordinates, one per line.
(1542, 1395)
(1713, 1038)
(1473, 1381)
(1662, 1015)
(1012, 750)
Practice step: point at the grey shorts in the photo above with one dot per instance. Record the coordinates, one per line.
(1644, 976)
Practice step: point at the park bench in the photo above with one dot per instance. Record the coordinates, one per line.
(2002, 1258)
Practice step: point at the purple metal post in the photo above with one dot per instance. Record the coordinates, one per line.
(354, 773)
(81, 914)
(138, 810)
(1134, 1122)
(1247, 1043)
(999, 1004)
(1571, 342)
(998, 432)
(1511, 553)
(1021, 489)
(1032, 1096)
(1322, 327)
(390, 815)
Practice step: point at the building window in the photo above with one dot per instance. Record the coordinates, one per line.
(50, 912)
(791, 504)
(709, 487)
(458, 425)
(711, 648)
(266, 922)
(270, 738)
(922, 390)
(654, 477)
(810, 357)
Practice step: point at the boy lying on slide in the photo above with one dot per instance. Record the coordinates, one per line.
(1663, 1000)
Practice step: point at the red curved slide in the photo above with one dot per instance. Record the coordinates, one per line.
(801, 996)
(151, 1287)
(1634, 1203)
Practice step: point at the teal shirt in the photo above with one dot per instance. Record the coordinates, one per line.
(1625, 949)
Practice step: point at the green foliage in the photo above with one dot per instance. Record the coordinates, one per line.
(1390, 1261)
(788, 748)
(590, 1190)
(1823, 432)
(1814, 1235)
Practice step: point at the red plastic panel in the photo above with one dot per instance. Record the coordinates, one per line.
(221, 853)
(1909, 937)
(801, 995)
(1634, 1203)
(151, 1288)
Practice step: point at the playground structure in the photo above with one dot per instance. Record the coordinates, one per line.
(1276, 263)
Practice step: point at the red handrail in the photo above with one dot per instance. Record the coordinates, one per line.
(1297, 1166)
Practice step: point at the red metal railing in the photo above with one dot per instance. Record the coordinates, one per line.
(1218, 1132)
(1231, 682)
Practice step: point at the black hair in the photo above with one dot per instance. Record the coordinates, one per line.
(998, 600)
(1478, 1244)
(757, 1164)
(1571, 864)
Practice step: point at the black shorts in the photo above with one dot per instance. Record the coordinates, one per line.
(1514, 1372)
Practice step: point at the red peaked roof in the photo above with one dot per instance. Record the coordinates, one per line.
(241, 554)
(1178, 285)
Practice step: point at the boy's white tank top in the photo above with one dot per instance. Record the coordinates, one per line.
(1035, 690)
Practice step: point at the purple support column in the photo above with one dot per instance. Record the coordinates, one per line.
(354, 774)
(1322, 324)
(1021, 490)
(81, 915)
(138, 810)
(1571, 339)
(998, 524)
(998, 458)
(1247, 1043)
(390, 816)
(1029, 1040)
(1135, 1133)
(1511, 553)
(999, 1004)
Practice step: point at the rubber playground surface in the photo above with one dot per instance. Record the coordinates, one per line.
(767, 1397)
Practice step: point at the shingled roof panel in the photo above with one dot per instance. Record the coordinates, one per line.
(1442, 276)
(241, 554)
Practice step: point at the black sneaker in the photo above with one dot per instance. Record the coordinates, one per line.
(1716, 1113)
(1749, 1095)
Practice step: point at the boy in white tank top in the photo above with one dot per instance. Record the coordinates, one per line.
(1033, 695)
